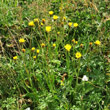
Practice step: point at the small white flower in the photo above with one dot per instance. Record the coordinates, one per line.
(102, 102)
(85, 78)
(28, 108)
(52, 20)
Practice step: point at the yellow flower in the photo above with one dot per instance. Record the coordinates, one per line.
(67, 47)
(81, 45)
(36, 20)
(58, 33)
(75, 24)
(62, 84)
(33, 48)
(43, 20)
(61, 8)
(64, 18)
(108, 74)
(55, 17)
(54, 45)
(34, 57)
(50, 13)
(21, 40)
(97, 42)
(76, 42)
(31, 23)
(90, 43)
(73, 40)
(23, 50)
(37, 51)
(15, 58)
(42, 45)
(48, 28)
(78, 55)
(42, 24)
(70, 24)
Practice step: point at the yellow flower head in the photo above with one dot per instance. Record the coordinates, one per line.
(64, 18)
(78, 55)
(34, 57)
(97, 42)
(37, 51)
(48, 28)
(23, 50)
(61, 8)
(75, 24)
(15, 58)
(58, 33)
(42, 24)
(43, 20)
(73, 40)
(81, 45)
(31, 23)
(108, 74)
(36, 20)
(42, 45)
(76, 42)
(55, 17)
(62, 84)
(67, 47)
(21, 40)
(54, 45)
(33, 48)
(90, 43)
(70, 24)
(50, 13)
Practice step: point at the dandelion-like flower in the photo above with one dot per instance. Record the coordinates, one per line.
(34, 57)
(43, 20)
(90, 43)
(54, 45)
(73, 40)
(108, 74)
(97, 42)
(67, 47)
(61, 8)
(76, 42)
(62, 84)
(75, 24)
(23, 50)
(78, 55)
(15, 58)
(58, 33)
(33, 48)
(37, 51)
(81, 45)
(64, 18)
(55, 17)
(21, 40)
(48, 28)
(42, 24)
(31, 24)
(36, 20)
(51, 13)
(70, 24)
(85, 78)
(42, 45)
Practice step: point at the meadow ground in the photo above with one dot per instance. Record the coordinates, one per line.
(54, 55)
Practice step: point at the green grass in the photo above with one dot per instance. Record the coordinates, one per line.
(52, 79)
